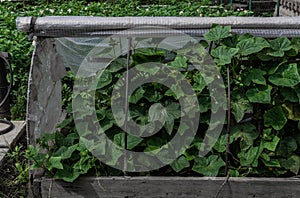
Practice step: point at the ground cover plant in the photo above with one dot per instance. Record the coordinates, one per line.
(264, 125)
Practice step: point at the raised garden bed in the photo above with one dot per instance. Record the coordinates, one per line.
(45, 110)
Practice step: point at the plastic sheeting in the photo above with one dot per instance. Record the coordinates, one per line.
(75, 36)
(101, 50)
(83, 26)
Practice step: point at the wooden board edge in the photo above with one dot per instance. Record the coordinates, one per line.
(109, 187)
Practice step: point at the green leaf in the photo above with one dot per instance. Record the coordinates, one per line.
(286, 146)
(220, 145)
(204, 43)
(67, 174)
(286, 75)
(279, 46)
(296, 42)
(271, 145)
(297, 90)
(292, 52)
(149, 52)
(169, 125)
(132, 141)
(104, 78)
(261, 94)
(204, 104)
(137, 95)
(251, 45)
(232, 41)
(144, 55)
(239, 106)
(100, 147)
(263, 55)
(223, 55)
(281, 43)
(267, 134)
(278, 53)
(199, 82)
(113, 156)
(250, 157)
(65, 152)
(179, 62)
(289, 94)
(157, 112)
(87, 143)
(65, 123)
(173, 112)
(54, 162)
(180, 163)
(254, 75)
(152, 95)
(292, 164)
(292, 111)
(47, 137)
(208, 166)
(154, 143)
(148, 68)
(271, 162)
(165, 155)
(117, 64)
(177, 91)
(83, 128)
(246, 132)
(68, 153)
(83, 165)
(275, 118)
(218, 32)
(233, 173)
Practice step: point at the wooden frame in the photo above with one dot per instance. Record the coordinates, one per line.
(179, 187)
(44, 110)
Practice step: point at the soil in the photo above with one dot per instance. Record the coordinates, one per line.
(11, 185)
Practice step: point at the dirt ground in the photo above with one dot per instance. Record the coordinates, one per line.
(13, 182)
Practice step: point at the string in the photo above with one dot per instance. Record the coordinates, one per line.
(227, 135)
(126, 106)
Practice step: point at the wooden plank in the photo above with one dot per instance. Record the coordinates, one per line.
(9, 139)
(44, 91)
(3, 151)
(178, 187)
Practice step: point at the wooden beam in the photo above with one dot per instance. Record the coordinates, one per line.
(179, 187)
(9, 139)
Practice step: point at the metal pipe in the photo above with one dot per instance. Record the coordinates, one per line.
(277, 7)
(77, 25)
(4, 88)
(250, 5)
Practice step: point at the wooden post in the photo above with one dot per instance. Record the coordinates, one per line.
(44, 95)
